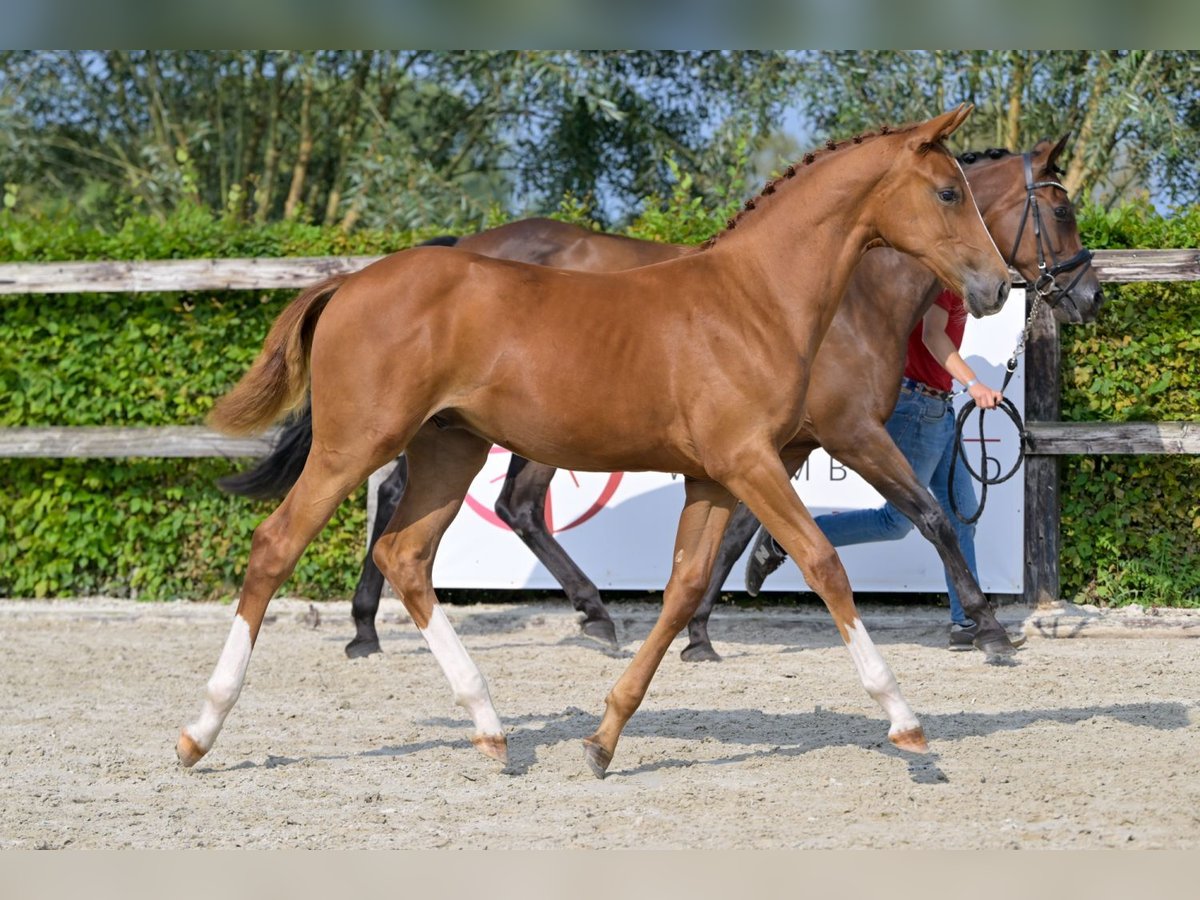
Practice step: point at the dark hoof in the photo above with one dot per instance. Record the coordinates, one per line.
(360, 647)
(698, 651)
(997, 651)
(597, 757)
(602, 630)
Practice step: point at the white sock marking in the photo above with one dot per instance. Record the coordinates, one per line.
(878, 679)
(469, 687)
(224, 686)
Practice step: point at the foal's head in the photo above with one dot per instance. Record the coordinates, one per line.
(1030, 214)
(923, 207)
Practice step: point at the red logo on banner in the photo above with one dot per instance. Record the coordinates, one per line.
(572, 493)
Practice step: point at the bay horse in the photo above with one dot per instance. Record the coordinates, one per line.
(888, 293)
(698, 365)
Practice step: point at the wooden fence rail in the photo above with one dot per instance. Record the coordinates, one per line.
(1121, 266)
(1047, 438)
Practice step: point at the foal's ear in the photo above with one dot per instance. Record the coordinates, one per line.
(939, 128)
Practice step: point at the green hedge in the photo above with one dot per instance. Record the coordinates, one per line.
(159, 529)
(146, 528)
(1131, 525)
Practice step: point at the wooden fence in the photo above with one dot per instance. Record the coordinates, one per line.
(1047, 437)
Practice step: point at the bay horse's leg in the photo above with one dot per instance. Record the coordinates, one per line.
(764, 486)
(442, 465)
(522, 506)
(705, 514)
(327, 479)
(874, 455)
(742, 526)
(365, 604)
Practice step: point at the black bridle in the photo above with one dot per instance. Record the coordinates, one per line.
(1046, 290)
(1046, 284)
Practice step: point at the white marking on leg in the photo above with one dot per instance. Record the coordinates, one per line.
(878, 679)
(467, 682)
(224, 686)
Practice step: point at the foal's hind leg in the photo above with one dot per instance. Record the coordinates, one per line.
(326, 481)
(764, 486)
(701, 525)
(522, 506)
(442, 466)
(365, 604)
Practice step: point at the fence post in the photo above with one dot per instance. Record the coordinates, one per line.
(1043, 403)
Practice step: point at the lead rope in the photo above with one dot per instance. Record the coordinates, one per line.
(1043, 289)
(1006, 406)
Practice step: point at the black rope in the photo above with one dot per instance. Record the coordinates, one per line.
(1009, 408)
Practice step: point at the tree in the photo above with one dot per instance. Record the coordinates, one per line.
(389, 138)
(1134, 115)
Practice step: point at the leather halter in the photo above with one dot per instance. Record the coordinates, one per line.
(1046, 285)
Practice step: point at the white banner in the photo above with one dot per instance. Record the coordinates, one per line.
(620, 528)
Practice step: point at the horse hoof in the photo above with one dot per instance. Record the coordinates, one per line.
(188, 750)
(912, 740)
(602, 630)
(494, 746)
(998, 651)
(700, 652)
(597, 757)
(360, 648)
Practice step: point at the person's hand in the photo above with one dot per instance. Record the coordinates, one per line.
(984, 396)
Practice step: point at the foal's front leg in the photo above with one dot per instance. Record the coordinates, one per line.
(705, 514)
(764, 486)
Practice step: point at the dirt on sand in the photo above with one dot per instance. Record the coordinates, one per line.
(1086, 743)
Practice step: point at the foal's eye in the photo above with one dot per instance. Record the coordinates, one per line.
(948, 195)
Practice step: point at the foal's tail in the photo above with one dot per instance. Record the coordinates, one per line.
(278, 380)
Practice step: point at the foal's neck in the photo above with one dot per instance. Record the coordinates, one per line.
(803, 241)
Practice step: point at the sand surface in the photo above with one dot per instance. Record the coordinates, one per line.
(1088, 742)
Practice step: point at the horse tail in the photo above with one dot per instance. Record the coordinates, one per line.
(278, 380)
(442, 240)
(273, 475)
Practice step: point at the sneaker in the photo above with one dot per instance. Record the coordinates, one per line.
(962, 637)
(765, 558)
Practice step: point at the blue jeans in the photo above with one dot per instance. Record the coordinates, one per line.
(923, 429)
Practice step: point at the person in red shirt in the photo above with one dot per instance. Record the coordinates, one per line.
(922, 426)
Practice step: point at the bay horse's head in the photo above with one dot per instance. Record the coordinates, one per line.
(1030, 214)
(924, 207)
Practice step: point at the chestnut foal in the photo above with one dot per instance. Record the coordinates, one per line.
(699, 365)
(888, 293)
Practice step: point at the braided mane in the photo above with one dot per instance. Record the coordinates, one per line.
(790, 172)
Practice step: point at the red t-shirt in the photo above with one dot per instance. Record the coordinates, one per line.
(920, 364)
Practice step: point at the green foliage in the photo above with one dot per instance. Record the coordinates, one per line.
(684, 217)
(1131, 524)
(149, 528)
